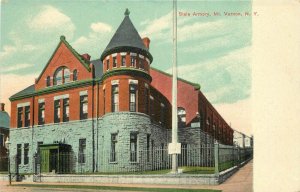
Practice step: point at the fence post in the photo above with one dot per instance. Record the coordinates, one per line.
(216, 150)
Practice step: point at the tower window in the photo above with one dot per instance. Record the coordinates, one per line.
(123, 63)
(113, 153)
(114, 62)
(115, 98)
(132, 102)
(146, 101)
(133, 147)
(107, 64)
(132, 61)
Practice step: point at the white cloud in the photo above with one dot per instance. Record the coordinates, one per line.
(225, 78)
(93, 42)
(16, 67)
(50, 19)
(161, 28)
(101, 27)
(157, 26)
(8, 50)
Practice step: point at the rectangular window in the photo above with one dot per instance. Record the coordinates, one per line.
(123, 63)
(132, 61)
(39, 143)
(82, 149)
(141, 62)
(148, 147)
(41, 113)
(115, 98)
(107, 64)
(56, 111)
(20, 116)
(146, 101)
(133, 147)
(114, 62)
(113, 153)
(26, 150)
(83, 107)
(19, 153)
(27, 116)
(132, 97)
(66, 110)
(2, 140)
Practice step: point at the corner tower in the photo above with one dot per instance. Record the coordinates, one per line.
(126, 63)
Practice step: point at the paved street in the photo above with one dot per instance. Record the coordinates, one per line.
(241, 181)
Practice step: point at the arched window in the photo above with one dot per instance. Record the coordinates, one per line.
(75, 75)
(48, 81)
(61, 75)
(66, 75)
(181, 116)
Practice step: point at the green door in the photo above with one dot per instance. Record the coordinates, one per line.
(45, 160)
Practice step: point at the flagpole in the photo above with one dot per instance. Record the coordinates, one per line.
(174, 92)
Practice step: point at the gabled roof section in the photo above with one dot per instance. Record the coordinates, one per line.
(196, 85)
(126, 38)
(27, 91)
(82, 60)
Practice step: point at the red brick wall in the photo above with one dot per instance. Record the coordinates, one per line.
(193, 101)
(187, 96)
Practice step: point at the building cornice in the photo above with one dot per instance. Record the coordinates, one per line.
(127, 71)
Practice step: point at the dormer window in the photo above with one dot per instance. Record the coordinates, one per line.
(61, 75)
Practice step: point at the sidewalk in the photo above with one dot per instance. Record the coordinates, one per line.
(241, 181)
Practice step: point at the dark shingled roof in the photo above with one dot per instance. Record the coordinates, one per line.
(98, 68)
(26, 91)
(126, 38)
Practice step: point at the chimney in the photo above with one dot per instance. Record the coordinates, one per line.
(86, 56)
(2, 107)
(146, 42)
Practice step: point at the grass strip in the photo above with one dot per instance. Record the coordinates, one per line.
(115, 188)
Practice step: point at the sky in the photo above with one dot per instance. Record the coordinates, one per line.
(214, 51)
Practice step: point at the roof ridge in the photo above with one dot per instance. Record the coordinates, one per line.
(196, 85)
(73, 51)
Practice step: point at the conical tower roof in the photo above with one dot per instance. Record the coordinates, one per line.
(126, 38)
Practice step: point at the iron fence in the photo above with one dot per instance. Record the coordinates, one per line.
(4, 164)
(195, 159)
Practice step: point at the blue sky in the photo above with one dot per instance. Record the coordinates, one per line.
(213, 51)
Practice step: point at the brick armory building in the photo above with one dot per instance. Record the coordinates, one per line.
(105, 111)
